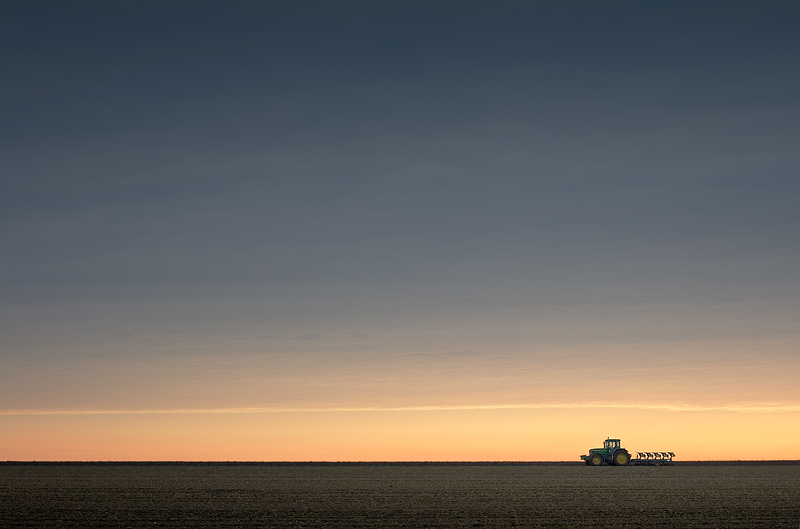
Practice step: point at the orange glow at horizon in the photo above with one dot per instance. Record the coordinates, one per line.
(443, 435)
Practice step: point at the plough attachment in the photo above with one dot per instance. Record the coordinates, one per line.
(653, 458)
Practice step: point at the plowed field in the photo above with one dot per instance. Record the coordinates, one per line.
(400, 496)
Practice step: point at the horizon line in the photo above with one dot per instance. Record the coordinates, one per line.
(405, 462)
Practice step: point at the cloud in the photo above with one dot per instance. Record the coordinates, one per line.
(733, 408)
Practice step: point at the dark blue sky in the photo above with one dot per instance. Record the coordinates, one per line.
(303, 187)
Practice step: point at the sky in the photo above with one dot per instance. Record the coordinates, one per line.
(354, 231)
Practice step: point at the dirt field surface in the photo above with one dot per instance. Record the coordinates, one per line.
(400, 496)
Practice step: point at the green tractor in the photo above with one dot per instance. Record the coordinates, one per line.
(611, 453)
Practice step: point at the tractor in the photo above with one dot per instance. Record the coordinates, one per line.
(611, 453)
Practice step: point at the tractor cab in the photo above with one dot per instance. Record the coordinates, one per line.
(611, 445)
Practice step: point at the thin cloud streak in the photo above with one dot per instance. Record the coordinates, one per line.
(760, 408)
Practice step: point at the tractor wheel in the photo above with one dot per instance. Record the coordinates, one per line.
(596, 460)
(622, 458)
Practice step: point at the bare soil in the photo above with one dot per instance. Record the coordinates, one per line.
(400, 496)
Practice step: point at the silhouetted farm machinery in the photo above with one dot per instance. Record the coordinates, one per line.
(613, 454)
(653, 458)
